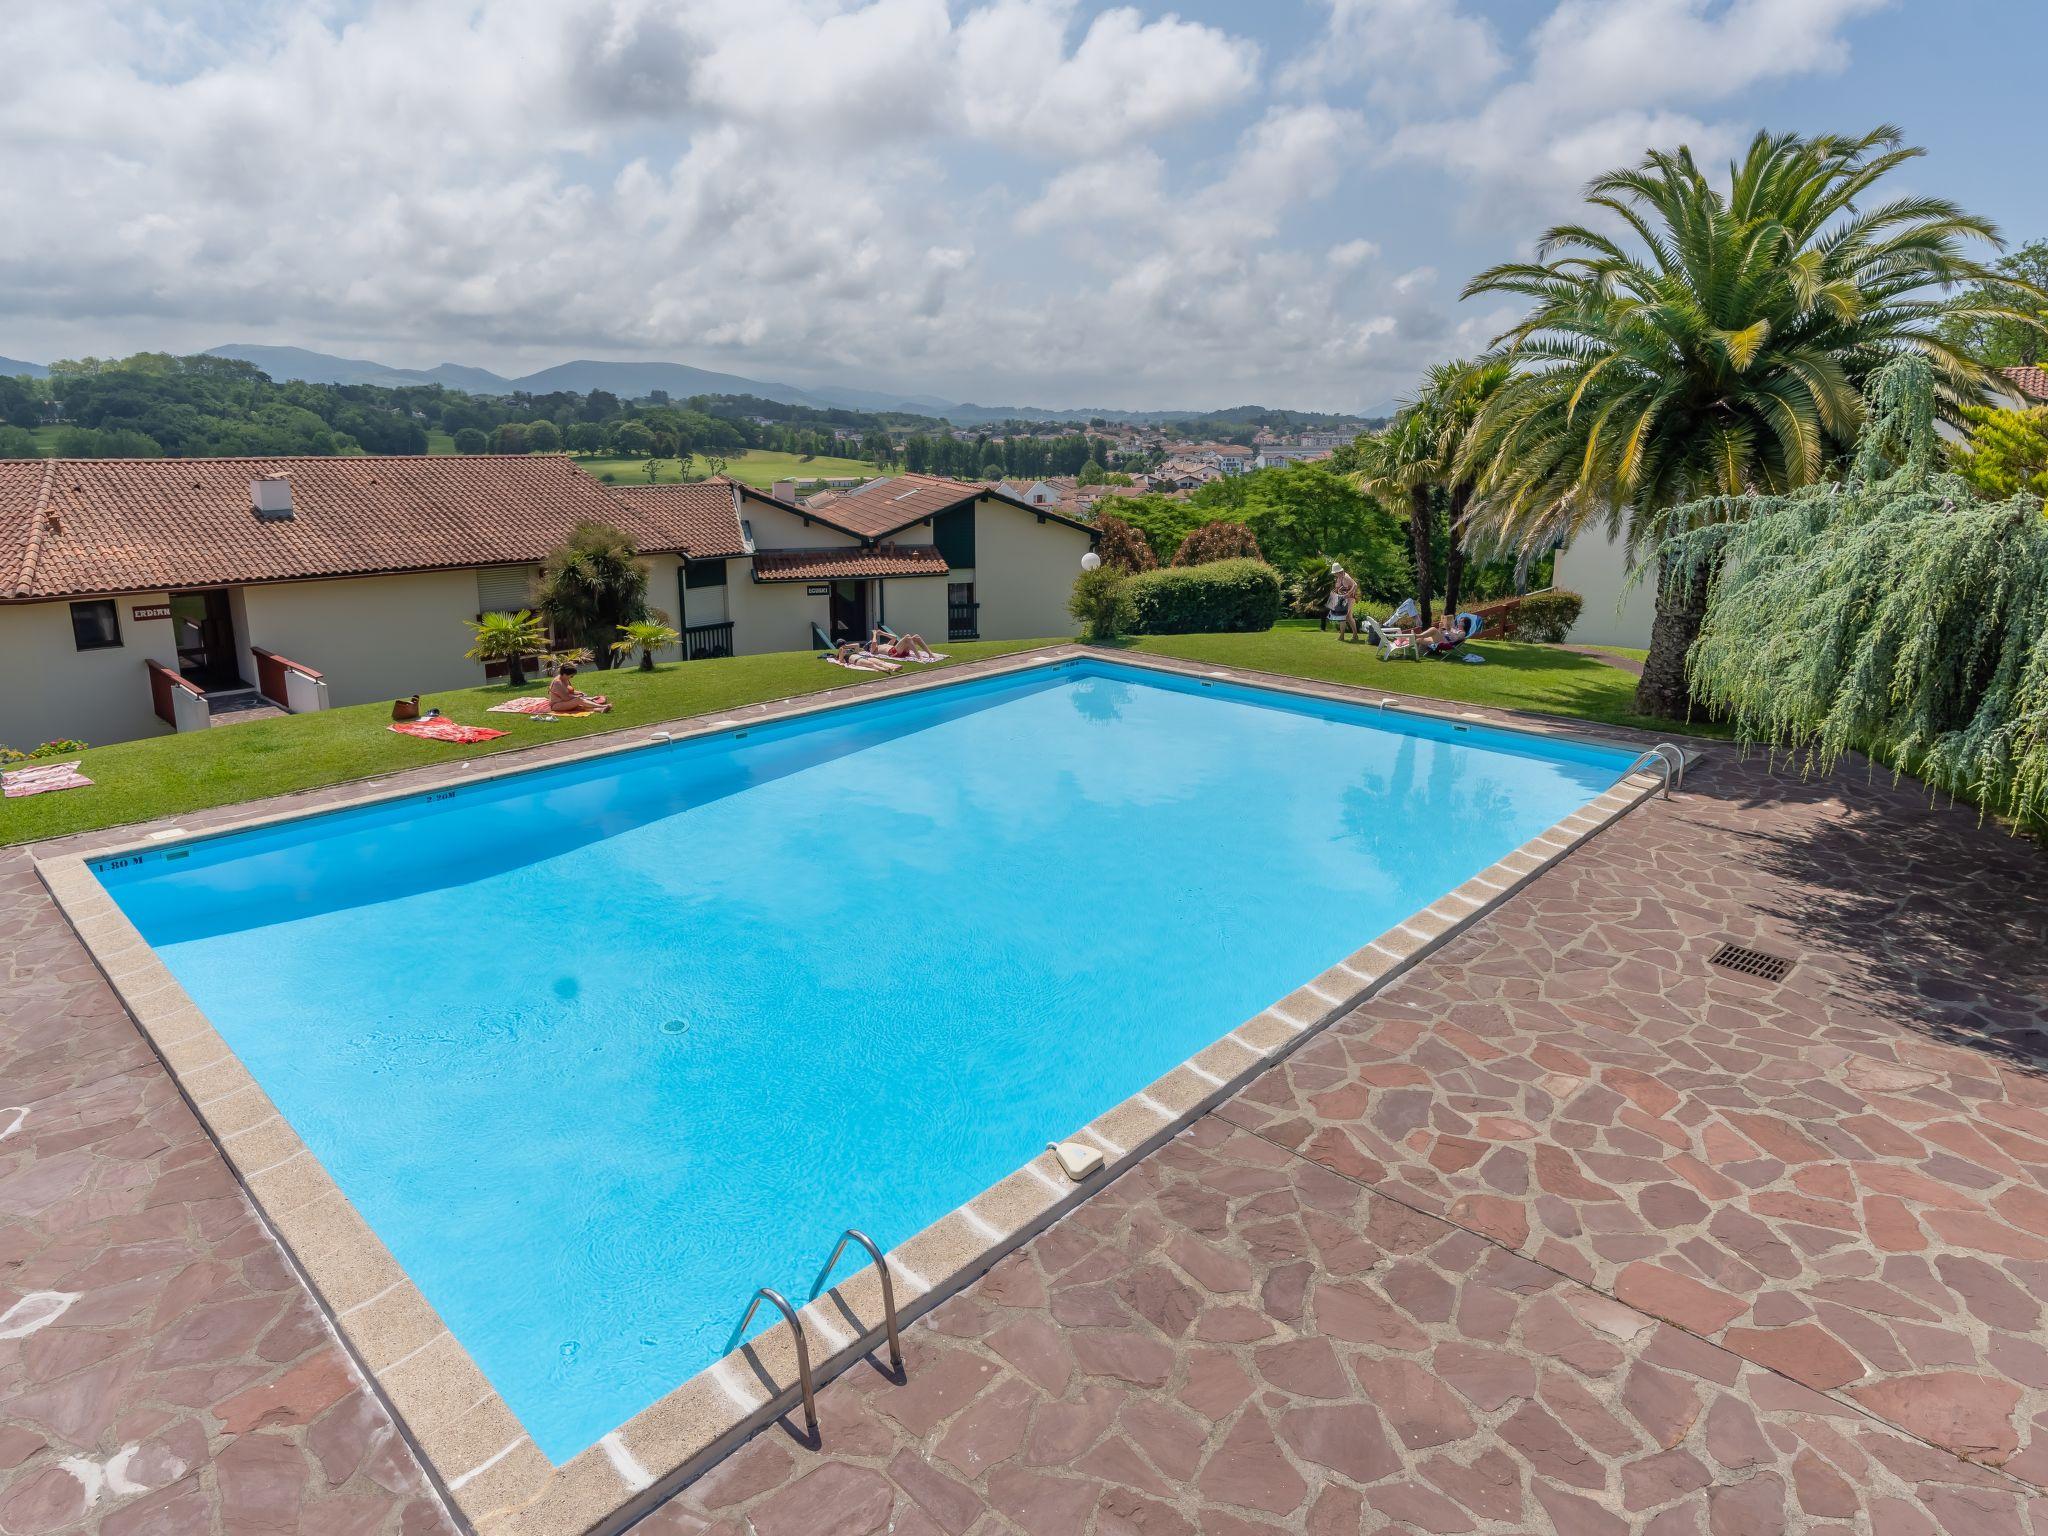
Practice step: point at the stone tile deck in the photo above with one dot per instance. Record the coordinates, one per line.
(1563, 1231)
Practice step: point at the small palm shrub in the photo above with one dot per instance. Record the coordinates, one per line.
(1226, 595)
(1217, 541)
(1102, 604)
(509, 638)
(646, 636)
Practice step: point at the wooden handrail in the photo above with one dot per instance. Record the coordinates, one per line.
(176, 679)
(286, 662)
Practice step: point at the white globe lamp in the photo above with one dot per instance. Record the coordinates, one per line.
(1090, 561)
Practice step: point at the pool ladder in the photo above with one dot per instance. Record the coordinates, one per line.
(803, 1348)
(1669, 757)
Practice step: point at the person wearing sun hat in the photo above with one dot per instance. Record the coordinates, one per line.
(1343, 598)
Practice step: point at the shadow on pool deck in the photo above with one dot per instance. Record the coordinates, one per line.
(1377, 1291)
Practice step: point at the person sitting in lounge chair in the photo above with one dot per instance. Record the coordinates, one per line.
(564, 698)
(912, 647)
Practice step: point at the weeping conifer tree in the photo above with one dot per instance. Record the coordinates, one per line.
(1893, 613)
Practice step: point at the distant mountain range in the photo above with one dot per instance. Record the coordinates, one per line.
(629, 381)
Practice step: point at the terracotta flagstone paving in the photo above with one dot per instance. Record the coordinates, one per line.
(1563, 1232)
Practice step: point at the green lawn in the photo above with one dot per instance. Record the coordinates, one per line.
(170, 775)
(754, 467)
(440, 442)
(1540, 678)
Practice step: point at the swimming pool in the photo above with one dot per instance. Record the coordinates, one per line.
(597, 1049)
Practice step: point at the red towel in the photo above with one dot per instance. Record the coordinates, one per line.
(441, 728)
(536, 704)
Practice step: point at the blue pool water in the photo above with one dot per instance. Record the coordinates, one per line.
(599, 1049)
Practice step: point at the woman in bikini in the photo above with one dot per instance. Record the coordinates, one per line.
(564, 698)
(911, 647)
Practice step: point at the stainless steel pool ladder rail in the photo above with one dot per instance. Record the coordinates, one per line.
(803, 1353)
(855, 1235)
(1668, 755)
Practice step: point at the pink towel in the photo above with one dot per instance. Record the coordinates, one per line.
(42, 779)
(534, 704)
(441, 728)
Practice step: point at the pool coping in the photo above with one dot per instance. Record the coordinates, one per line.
(493, 1477)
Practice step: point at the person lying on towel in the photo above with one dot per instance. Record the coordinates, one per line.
(862, 658)
(564, 698)
(912, 646)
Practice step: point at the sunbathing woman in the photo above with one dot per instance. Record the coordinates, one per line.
(862, 658)
(910, 646)
(565, 699)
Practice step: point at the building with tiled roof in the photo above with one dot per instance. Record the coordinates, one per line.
(151, 592)
(2030, 383)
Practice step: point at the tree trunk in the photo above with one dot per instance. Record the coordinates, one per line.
(1419, 530)
(646, 660)
(1523, 560)
(1454, 560)
(515, 672)
(1681, 609)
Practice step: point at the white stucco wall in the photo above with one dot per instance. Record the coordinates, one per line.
(377, 637)
(1596, 567)
(1024, 572)
(49, 689)
(916, 605)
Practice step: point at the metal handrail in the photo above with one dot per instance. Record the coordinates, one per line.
(803, 1352)
(1658, 752)
(855, 1235)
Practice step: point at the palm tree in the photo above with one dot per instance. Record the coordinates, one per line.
(1421, 455)
(507, 637)
(1717, 346)
(646, 636)
(592, 586)
(1399, 465)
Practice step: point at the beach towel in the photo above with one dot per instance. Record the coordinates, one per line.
(922, 661)
(532, 704)
(441, 728)
(42, 779)
(870, 667)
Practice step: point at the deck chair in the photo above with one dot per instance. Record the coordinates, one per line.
(1471, 623)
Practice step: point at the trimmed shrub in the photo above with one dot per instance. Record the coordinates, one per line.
(1206, 599)
(1123, 545)
(1102, 603)
(1218, 541)
(58, 748)
(1542, 618)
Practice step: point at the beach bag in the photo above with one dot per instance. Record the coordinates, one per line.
(406, 709)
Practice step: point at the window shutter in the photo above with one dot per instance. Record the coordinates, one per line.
(505, 588)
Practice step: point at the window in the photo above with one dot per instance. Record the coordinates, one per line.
(704, 573)
(959, 592)
(94, 625)
(953, 537)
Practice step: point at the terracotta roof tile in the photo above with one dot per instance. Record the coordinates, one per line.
(126, 525)
(2031, 382)
(848, 564)
(884, 506)
(702, 513)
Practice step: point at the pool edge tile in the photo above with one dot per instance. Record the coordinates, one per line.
(475, 1451)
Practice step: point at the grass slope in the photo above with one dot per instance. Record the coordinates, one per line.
(170, 775)
(1540, 678)
(755, 467)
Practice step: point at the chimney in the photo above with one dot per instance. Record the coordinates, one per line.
(270, 497)
(783, 490)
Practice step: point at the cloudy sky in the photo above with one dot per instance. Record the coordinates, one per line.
(1009, 201)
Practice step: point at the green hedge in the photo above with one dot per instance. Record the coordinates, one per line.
(1206, 599)
(1542, 617)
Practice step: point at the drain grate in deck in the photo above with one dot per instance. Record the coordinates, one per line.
(1756, 964)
